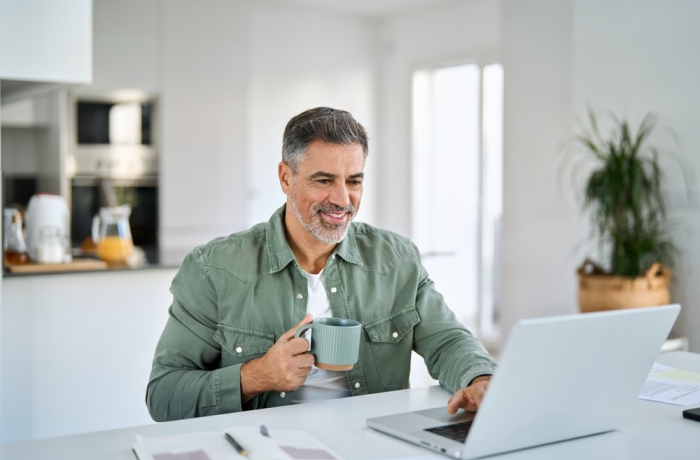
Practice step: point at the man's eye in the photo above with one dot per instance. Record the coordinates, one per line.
(323, 181)
(356, 183)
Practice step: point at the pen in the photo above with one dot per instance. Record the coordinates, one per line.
(235, 445)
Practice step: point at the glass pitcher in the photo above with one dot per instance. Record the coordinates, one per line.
(112, 234)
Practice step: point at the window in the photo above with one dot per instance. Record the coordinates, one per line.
(458, 186)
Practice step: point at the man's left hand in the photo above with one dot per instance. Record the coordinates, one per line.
(469, 398)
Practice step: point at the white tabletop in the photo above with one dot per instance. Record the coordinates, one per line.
(653, 430)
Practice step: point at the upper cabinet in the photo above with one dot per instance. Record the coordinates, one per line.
(46, 40)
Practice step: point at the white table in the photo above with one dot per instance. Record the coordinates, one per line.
(653, 430)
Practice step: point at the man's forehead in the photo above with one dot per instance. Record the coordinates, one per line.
(322, 157)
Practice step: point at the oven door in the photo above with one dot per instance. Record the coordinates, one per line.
(88, 195)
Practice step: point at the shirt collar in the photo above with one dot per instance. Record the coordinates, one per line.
(281, 254)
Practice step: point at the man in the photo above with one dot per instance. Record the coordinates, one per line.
(229, 342)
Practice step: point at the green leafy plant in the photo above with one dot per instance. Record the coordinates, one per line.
(623, 195)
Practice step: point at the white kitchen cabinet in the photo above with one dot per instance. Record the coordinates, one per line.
(46, 40)
(77, 350)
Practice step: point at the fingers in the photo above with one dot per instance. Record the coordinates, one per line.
(461, 399)
(298, 345)
(308, 319)
(468, 398)
(304, 361)
(284, 366)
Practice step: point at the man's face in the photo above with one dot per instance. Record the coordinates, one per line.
(326, 191)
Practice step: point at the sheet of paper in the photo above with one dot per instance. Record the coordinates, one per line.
(671, 386)
(286, 445)
(658, 367)
(191, 446)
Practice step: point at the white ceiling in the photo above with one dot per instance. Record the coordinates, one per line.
(368, 7)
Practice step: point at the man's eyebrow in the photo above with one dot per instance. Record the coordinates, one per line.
(320, 174)
(327, 175)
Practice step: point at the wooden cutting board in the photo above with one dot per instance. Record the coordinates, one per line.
(74, 266)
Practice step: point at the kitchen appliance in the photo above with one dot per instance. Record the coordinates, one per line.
(113, 160)
(48, 214)
(88, 195)
(113, 135)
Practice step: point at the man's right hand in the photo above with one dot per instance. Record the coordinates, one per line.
(283, 368)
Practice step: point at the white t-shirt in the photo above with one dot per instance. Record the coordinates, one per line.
(320, 384)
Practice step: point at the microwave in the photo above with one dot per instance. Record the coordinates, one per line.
(113, 135)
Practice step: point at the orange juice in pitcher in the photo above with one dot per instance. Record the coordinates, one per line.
(111, 232)
(114, 249)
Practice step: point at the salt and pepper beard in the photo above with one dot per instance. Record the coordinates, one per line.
(320, 229)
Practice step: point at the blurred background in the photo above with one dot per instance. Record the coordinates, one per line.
(470, 106)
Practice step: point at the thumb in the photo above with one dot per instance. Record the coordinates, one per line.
(308, 319)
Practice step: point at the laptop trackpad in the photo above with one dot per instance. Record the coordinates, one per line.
(440, 414)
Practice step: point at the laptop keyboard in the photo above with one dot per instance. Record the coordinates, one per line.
(456, 431)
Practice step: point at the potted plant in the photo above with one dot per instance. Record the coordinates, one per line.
(623, 195)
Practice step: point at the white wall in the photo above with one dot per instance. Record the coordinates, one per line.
(77, 351)
(45, 40)
(127, 44)
(204, 87)
(300, 59)
(639, 56)
(541, 226)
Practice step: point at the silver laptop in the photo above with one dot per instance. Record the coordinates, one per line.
(559, 378)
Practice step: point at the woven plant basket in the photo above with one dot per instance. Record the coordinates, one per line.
(598, 290)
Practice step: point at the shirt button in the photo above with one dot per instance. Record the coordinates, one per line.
(283, 394)
(334, 290)
(239, 350)
(333, 257)
(357, 384)
(395, 334)
(299, 296)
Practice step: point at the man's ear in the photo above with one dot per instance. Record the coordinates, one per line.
(285, 175)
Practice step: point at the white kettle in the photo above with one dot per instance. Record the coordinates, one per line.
(48, 213)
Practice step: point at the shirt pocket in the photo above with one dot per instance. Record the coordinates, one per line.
(240, 345)
(391, 339)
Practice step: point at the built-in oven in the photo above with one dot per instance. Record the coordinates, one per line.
(88, 195)
(113, 160)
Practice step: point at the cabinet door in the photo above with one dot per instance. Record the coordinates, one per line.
(45, 40)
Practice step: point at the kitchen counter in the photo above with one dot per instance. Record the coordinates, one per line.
(155, 259)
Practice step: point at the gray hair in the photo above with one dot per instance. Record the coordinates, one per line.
(320, 124)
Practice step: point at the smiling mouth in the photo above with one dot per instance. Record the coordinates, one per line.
(336, 218)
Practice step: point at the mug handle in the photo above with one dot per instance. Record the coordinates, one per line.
(303, 329)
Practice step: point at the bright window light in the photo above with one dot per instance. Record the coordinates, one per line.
(457, 161)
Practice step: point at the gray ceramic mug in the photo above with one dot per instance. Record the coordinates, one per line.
(335, 342)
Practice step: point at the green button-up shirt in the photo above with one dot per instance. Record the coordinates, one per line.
(235, 296)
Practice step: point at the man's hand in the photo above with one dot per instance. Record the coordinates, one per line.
(469, 398)
(283, 368)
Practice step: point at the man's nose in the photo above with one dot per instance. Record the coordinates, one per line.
(340, 195)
